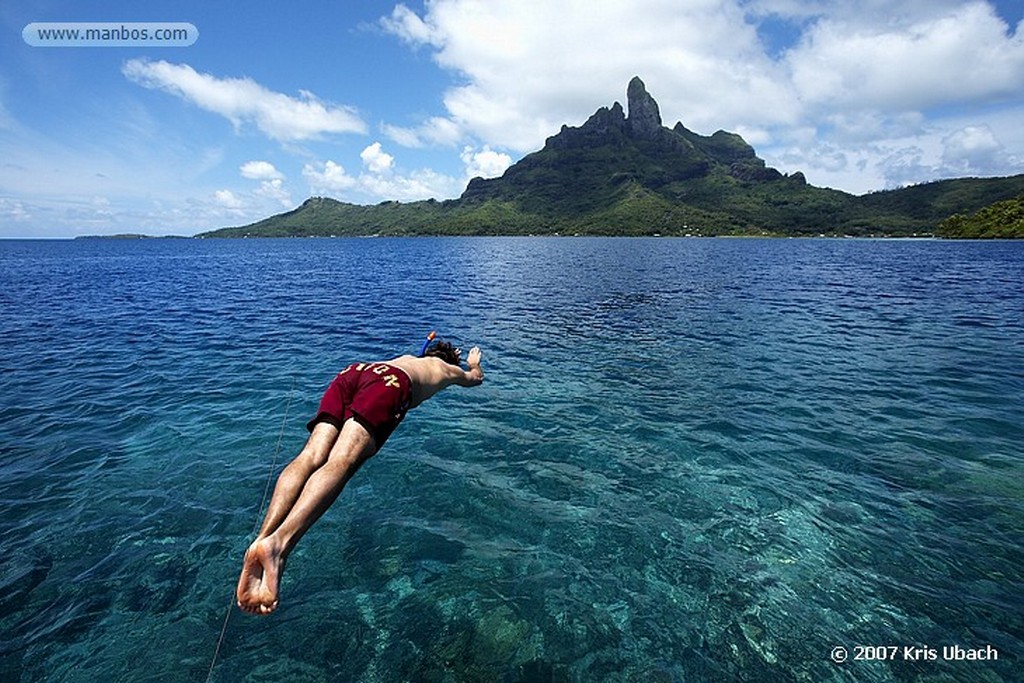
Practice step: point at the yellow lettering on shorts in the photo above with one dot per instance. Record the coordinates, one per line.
(391, 381)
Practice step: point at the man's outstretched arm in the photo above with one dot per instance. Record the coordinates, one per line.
(475, 374)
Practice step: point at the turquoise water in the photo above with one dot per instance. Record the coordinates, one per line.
(691, 460)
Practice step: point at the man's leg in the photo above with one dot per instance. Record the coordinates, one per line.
(264, 561)
(294, 477)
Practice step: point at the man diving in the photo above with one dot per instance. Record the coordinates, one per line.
(357, 414)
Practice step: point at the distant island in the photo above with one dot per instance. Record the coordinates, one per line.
(128, 236)
(630, 175)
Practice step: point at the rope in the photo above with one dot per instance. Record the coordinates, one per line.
(255, 528)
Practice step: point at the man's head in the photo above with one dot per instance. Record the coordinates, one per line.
(445, 351)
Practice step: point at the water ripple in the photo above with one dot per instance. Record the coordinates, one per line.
(692, 459)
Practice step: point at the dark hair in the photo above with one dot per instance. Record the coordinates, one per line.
(443, 350)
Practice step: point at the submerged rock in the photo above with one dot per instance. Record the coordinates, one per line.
(19, 578)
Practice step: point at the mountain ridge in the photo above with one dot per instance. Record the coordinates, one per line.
(625, 173)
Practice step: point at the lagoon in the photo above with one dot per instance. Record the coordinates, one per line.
(692, 459)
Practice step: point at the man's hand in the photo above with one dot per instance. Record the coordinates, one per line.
(476, 374)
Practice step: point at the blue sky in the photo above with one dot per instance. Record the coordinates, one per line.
(371, 101)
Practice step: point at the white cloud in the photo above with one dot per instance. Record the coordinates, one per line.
(242, 100)
(329, 178)
(865, 126)
(436, 130)
(380, 181)
(941, 149)
(419, 184)
(485, 163)
(854, 12)
(529, 67)
(406, 137)
(972, 148)
(864, 82)
(259, 170)
(269, 197)
(271, 186)
(408, 26)
(13, 210)
(904, 166)
(376, 159)
(228, 200)
(274, 191)
(960, 54)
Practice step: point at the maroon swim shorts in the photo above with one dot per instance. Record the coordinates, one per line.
(375, 394)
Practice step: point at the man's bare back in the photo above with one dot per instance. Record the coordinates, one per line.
(430, 375)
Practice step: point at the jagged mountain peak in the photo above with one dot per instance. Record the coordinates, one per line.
(631, 175)
(611, 149)
(644, 116)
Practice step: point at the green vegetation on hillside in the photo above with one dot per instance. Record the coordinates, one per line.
(1001, 220)
(618, 175)
(713, 205)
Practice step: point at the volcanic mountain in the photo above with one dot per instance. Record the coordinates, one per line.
(628, 174)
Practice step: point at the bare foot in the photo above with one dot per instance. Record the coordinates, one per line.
(261, 573)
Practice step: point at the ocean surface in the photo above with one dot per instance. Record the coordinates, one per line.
(691, 460)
